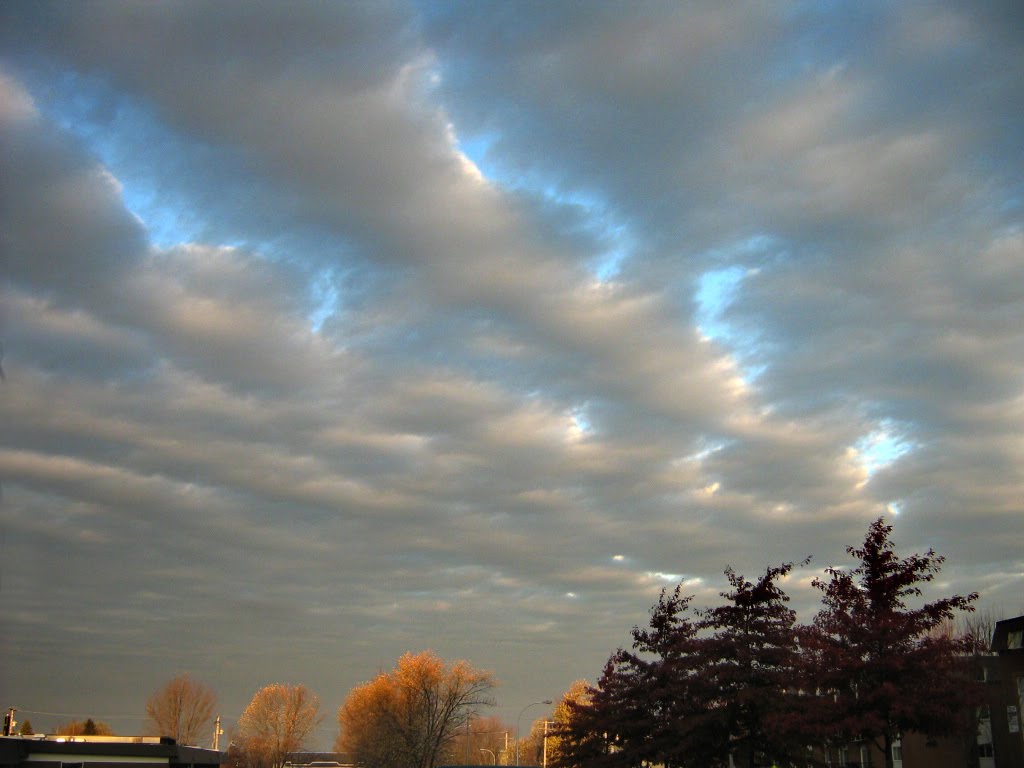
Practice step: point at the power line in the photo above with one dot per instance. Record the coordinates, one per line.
(79, 714)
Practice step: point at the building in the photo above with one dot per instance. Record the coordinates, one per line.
(102, 752)
(999, 740)
(1000, 736)
(1005, 700)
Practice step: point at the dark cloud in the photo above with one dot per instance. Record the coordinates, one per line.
(66, 232)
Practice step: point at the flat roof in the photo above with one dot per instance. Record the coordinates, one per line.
(101, 751)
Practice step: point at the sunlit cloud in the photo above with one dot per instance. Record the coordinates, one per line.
(880, 448)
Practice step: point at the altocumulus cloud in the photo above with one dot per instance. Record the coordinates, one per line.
(337, 330)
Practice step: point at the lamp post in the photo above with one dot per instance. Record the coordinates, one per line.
(520, 717)
(494, 758)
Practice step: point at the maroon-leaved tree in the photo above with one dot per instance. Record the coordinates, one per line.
(699, 689)
(651, 705)
(877, 667)
(750, 662)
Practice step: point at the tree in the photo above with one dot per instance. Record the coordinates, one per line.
(664, 669)
(977, 629)
(409, 717)
(650, 705)
(26, 728)
(704, 690)
(87, 727)
(278, 720)
(750, 662)
(182, 709)
(584, 735)
(577, 695)
(365, 723)
(235, 757)
(487, 740)
(879, 666)
(531, 745)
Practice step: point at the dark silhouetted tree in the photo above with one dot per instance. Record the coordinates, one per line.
(653, 704)
(577, 695)
(750, 662)
(880, 668)
(88, 727)
(742, 683)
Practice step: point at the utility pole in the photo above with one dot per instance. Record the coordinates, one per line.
(9, 722)
(217, 733)
(469, 719)
(546, 701)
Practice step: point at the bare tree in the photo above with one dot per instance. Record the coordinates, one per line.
(978, 629)
(278, 720)
(484, 740)
(182, 709)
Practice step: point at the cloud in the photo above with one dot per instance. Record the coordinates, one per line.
(289, 365)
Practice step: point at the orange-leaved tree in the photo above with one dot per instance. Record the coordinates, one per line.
(408, 718)
(278, 720)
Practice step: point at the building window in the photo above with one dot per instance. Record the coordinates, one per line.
(845, 759)
(986, 750)
(1013, 639)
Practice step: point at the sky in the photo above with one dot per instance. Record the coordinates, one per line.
(338, 330)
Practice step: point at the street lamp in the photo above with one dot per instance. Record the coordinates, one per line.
(494, 758)
(520, 717)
